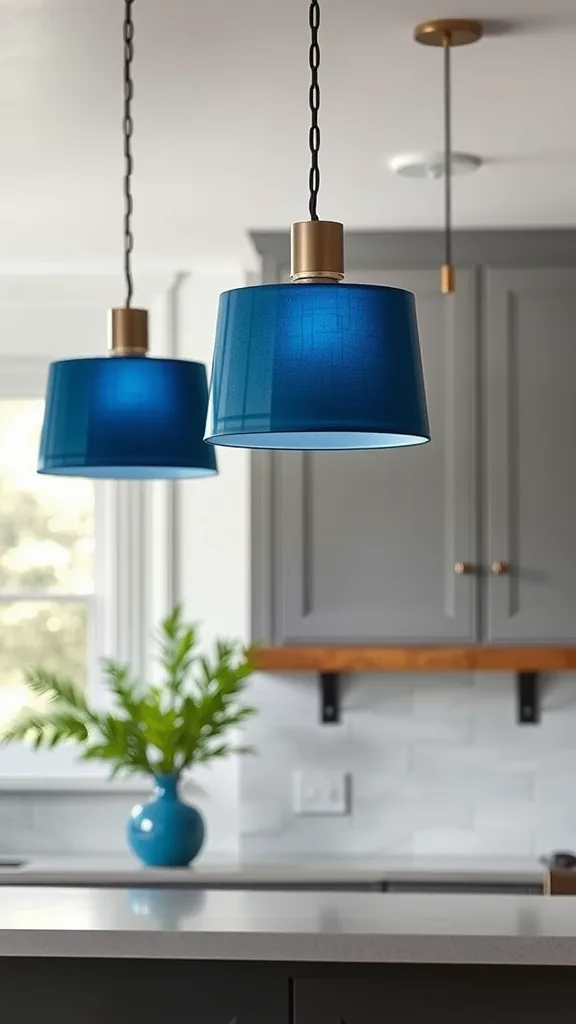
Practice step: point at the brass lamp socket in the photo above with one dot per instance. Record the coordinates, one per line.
(447, 279)
(317, 251)
(128, 332)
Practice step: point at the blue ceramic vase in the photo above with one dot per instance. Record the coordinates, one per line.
(166, 832)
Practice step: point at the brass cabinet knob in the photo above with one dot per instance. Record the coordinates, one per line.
(500, 568)
(462, 568)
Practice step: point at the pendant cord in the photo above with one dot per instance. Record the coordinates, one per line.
(314, 101)
(127, 133)
(447, 152)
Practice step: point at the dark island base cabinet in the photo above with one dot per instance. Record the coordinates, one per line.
(134, 991)
(422, 994)
(105, 991)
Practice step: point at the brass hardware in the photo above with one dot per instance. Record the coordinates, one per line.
(462, 568)
(500, 568)
(129, 332)
(317, 251)
(447, 281)
(448, 32)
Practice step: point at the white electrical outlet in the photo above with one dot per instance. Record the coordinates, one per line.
(320, 792)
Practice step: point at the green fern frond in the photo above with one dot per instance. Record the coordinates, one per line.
(166, 727)
(46, 730)
(53, 688)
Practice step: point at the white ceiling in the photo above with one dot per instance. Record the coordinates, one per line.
(221, 121)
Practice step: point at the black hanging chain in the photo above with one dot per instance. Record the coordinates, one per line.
(127, 132)
(314, 99)
(447, 153)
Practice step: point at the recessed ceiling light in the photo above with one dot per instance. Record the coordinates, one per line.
(432, 165)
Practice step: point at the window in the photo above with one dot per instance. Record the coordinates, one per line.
(84, 573)
(86, 568)
(47, 534)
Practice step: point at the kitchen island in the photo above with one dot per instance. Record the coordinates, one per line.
(284, 958)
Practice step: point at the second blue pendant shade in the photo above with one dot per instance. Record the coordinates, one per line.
(317, 366)
(126, 418)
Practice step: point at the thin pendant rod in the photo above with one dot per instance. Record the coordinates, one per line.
(448, 32)
(447, 270)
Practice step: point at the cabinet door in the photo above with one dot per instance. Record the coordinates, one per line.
(150, 991)
(423, 993)
(531, 437)
(365, 543)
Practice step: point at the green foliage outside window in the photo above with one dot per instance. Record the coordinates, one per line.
(46, 547)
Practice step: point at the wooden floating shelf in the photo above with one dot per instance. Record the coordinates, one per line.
(417, 659)
(331, 662)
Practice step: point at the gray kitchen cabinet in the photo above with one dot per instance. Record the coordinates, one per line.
(362, 547)
(365, 543)
(531, 440)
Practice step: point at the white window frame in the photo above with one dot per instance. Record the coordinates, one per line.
(134, 582)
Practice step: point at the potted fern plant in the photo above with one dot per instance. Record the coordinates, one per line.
(157, 730)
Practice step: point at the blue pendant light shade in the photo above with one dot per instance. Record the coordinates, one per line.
(317, 366)
(126, 418)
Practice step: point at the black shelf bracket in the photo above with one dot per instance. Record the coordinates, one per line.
(528, 692)
(329, 698)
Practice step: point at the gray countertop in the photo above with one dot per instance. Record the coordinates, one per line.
(106, 870)
(304, 927)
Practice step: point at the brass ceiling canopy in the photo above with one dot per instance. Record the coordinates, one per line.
(448, 31)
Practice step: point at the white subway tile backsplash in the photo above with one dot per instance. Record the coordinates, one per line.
(428, 811)
(439, 840)
(438, 765)
(471, 772)
(554, 835)
(16, 823)
(76, 823)
(396, 699)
